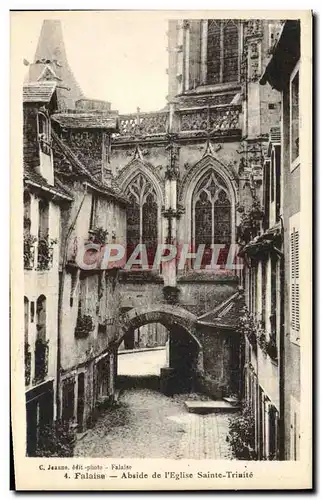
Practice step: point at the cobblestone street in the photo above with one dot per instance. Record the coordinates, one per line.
(147, 424)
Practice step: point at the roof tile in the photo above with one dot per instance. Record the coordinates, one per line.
(30, 174)
(87, 120)
(38, 92)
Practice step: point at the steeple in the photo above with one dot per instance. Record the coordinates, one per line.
(50, 63)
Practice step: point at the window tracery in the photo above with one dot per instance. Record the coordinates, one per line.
(142, 216)
(211, 215)
(222, 51)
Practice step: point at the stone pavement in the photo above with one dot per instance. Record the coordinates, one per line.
(148, 424)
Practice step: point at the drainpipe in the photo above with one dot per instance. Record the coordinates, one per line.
(60, 302)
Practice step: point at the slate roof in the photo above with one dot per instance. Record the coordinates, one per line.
(38, 92)
(81, 169)
(87, 120)
(226, 315)
(31, 175)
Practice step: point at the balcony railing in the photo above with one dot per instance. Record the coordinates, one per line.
(216, 119)
(144, 124)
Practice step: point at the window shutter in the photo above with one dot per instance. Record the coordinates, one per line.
(295, 281)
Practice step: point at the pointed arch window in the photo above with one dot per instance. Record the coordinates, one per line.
(211, 214)
(222, 51)
(142, 216)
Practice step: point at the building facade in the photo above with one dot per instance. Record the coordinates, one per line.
(44, 200)
(288, 79)
(272, 274)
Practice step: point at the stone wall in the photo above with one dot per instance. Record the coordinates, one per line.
(30, 139)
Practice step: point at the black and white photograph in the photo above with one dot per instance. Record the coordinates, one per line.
(165, 240)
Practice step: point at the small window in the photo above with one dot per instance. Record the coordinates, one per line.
(294, 120)
(43, 129)
(92, 221)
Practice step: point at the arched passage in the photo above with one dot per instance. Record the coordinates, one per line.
(185, 357)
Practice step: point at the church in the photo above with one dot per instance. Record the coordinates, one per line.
(188, 175)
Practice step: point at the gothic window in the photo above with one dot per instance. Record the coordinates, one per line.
(142, 216)
(211, 215)
(222, 51)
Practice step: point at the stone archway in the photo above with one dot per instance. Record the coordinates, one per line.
(186, 353)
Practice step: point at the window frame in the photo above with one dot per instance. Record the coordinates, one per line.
(44, 136)
(210, 175)
(296, 72)
(222, 84)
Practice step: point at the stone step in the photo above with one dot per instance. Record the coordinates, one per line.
(203, 407)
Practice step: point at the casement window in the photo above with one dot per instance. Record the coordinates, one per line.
(43, 132)
(92, 221)
(43, 226)
(222, 51)
(295, 278)
(294, 118)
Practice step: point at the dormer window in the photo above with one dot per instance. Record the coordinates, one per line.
(43, 131)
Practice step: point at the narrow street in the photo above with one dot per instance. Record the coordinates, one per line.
(148, 424)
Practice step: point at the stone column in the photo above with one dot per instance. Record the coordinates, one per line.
(203, 52)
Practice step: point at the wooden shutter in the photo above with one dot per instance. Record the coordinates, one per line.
(295, 278)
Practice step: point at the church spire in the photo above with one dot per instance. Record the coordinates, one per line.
(50, 63)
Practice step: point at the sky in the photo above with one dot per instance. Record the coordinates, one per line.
(115, 56)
